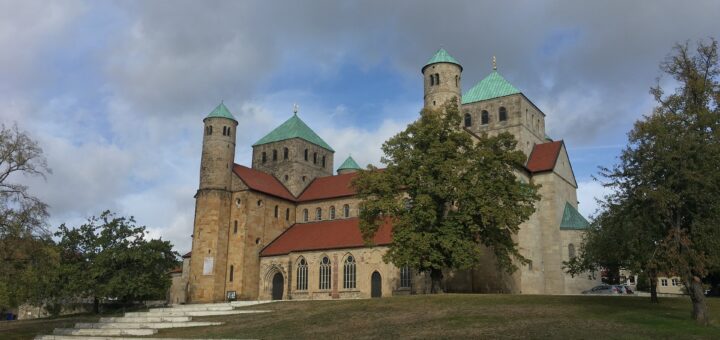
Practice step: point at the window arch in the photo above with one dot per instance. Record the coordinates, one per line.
(457, 81)
(484, 118)
(276, 211)
(437, 79)
(332, 212)
(305, 215)
(349, 273)
(346, 210)
(502, 114)
(302, 275)
(286, 153)
(405, 277)
(432, 80)
(571, 251)
(318, 214)
(264, 157)
(208, 130)
(314, 157)
(325, 271)
(306, 155)
(468, 120)
(274, 155)
(224, 130)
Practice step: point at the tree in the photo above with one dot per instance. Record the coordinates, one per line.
(109, 257)
(25, 244)
(448, 197)
(667, 183)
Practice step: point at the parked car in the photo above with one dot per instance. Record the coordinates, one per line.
(609, 290)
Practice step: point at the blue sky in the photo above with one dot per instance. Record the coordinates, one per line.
(115, 91)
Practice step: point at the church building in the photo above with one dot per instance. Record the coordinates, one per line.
(286, 227)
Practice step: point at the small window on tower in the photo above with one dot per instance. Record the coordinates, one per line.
(286, 178)
(457, 81)
(323, 161)
(264, 157)
(502, 114)
(437, 79)
(287, 214)
(276, 211)
(209, 130)
(306, 155)
(484, 118)
(286, 153)
(235, 228)
(314, 157)
(274, 155)
(224, 128)
(468, 120)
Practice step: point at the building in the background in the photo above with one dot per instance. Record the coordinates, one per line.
(287, 228)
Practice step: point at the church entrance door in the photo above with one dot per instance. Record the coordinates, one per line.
(375, 285)
(277, 286)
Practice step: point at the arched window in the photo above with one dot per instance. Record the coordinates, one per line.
(502, 114)
(224, 129)
(432, 80)
(232, 273)
(287, 214)
(314, 157)
(437, 79)
(305, 215)
(264, 157)
(276, 211)
(571, 251)
(235, 228)
(405, 277)
(208, 130)
(318, 214)
(286, 153)
(306, 155)
(302, 275)
(457, 81)
(468, 120)
(323, 161)
(349, 273)
(332, 212)
(229, 130)
(484, 118)
(325, 273)
(274, 155)
(346, 210)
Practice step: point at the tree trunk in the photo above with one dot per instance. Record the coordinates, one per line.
(96, 305)
(653, 287)
(697, 296)
(436, 280)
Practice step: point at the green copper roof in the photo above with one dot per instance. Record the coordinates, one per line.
(221, 112)
(548, 138)
(441, 56)
(293, 128)
(349, 163)
(492, 86)
(572, 220)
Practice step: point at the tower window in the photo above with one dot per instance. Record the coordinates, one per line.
(232, 272)
(209, 130)
(305, 215)
(224, 129)
(304, 178)
(346, 210)
(484, 118)
(314, 157)
(432, 80)
(468, 120)
(287, 214)
(229, 130)
(276, 211)
(306, 155)
(457, 81)
(286, 153)
(259, 203)
(502, 114)
(323, 161)
(235, 228)
(433, 102)
(318, 214)
(264, 157)
(286, 178)
(274, 155)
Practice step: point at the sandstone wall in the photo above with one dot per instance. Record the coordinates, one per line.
(295, 172)
(450, 84)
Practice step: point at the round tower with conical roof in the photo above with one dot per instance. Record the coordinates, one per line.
(348, 166)
(212, 208)
(442, 79)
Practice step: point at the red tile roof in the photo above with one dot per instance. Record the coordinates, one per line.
(544, 156)
(189, 254)
(333, 234)
(262, 182)
(329, 187)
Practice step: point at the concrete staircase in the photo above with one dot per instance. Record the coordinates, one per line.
(137, 324)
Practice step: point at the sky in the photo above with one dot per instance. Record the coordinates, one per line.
(115, 91)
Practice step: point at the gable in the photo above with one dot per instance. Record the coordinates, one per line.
(329, 187)
(262, 182)
(563, 167)
(544, 156)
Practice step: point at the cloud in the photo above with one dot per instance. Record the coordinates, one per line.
(588, 193)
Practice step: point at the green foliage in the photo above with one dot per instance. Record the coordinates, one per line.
(109, 257)
(664, 212)
(449, 197)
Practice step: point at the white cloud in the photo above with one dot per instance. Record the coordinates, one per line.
(588, 193)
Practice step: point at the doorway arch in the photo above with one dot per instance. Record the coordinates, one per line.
(375, 285)
(277, 286)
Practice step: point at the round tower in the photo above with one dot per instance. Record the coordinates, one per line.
(442, 79)
(218, 149)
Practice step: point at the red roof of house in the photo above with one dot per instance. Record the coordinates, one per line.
(262, 182)
(333, 234)
(189, 254)
(175, 270)
(544, 156)
(329, 187)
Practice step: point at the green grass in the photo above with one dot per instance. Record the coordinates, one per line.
(445, 316)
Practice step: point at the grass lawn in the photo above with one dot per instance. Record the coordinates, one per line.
(442, 316)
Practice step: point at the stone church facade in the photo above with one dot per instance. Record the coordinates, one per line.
(287, 227)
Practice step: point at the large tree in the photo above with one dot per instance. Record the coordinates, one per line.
(25, 244)
(449, 197)
(110, 257)
(666, 185)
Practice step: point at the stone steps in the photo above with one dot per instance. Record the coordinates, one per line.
(81, 337)
(193, 308)
(192, 313)
(148, 319)
(104, 332)
(143, 325)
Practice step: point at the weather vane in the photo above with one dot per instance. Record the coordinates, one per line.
(494, 64)
(296, 107)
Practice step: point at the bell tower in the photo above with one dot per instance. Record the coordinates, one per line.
(442, 79)
(212, 208)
